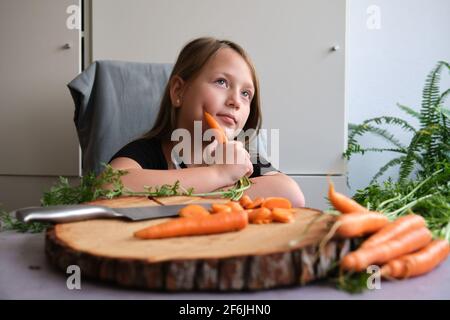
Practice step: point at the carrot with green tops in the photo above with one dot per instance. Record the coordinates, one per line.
(178, 227)
(400, 226)
(221, 136)
(276, 202)
(417, 263)
(192, 211)
(360, 224)
(360, 259)
(343, 203)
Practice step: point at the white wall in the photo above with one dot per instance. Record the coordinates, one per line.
(389, 65)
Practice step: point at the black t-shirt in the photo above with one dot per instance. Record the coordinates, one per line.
(149, 154)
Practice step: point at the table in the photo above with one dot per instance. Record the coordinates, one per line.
(26, 274)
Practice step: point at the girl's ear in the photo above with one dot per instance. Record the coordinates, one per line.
(176, 91)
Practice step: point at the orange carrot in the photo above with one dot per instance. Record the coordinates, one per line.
(260, 216)
(276, 202)
(178, 227)
(255, 203)
(245, 201)
(400, 226)
(221, 136)
(218, 207)
(282, 215)
(359, 224)
(417, 263)
(360, 259)
(192, 211)
(235, 206)
(343, 203)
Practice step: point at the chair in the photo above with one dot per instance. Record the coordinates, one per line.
(115, 102)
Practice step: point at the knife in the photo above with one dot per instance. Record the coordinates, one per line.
(71, 213)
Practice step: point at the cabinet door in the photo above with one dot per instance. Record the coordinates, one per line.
(37, 133)
(291, 42)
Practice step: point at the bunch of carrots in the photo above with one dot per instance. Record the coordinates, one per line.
(404, 248)
(232, 216)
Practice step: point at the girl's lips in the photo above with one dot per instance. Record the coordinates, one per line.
(227, 119)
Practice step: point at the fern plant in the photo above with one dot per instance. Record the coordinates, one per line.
(429, 147)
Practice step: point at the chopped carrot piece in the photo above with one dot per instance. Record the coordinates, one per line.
(193, 210)
(276, 202)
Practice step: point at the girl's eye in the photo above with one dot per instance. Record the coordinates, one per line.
(221, 82)
(247, 94)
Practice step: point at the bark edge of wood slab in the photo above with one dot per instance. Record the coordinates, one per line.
(248, 273)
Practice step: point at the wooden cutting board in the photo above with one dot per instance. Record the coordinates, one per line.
(257, 257)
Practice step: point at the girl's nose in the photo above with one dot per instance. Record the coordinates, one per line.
(233, 99)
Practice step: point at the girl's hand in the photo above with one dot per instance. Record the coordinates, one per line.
(230, 159)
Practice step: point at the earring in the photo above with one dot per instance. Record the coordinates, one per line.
(178, 102)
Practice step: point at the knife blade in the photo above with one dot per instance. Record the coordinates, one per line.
(72, 213)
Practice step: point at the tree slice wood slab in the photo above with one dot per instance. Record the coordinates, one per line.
(257, 257)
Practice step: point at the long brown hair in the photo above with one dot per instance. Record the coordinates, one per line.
(190, 61)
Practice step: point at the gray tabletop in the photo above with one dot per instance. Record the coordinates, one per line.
(26, 274)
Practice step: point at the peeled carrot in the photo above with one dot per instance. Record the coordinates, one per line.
(255, 203)
(359, 224)
(417, 263)
(235, 206)
(394, 229)
(178, 227)
(260, 216)
(360, 259)
(193, 210)
(276, 202)
(282, 215)
(245, 201)
(343, 203)
(218, 207)
(222, 137)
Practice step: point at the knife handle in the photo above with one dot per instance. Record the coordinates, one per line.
(64, 213)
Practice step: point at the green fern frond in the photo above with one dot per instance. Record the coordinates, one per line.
(430, 97)
(407, 164)
(389, 164)
(409, 111)
(359, 130)
(392, 120)
(384, 149)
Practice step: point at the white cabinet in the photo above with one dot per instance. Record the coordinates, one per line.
(37, 133)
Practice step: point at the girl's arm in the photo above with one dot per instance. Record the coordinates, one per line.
(202, 179)
(276, 185)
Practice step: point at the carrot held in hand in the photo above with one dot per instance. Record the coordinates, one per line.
(178, 227)
(400, 226)
(360, 259)
(222, 137)
(417, 263)
(343, 203)
(192, 211)
(359, 224)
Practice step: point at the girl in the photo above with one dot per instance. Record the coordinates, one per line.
(218, 77)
